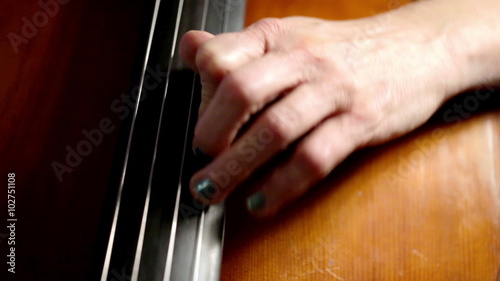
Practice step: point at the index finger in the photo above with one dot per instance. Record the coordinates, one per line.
(190, 43)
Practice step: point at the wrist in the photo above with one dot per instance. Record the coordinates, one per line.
(471, 36)
(476, 41)
(465, 36)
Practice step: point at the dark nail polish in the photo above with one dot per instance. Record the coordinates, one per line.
(206, 189)
(256, 201)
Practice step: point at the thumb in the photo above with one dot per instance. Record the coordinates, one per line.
(190, 43)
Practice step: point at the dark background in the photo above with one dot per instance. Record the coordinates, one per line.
(63, 78)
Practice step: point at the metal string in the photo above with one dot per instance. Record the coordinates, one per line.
(107, 260)
(137, 259)
(171, 247)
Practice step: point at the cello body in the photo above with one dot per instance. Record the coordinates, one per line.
(423, 207)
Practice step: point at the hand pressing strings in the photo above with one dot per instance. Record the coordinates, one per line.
(309, 87)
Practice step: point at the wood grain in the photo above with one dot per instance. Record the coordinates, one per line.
(327, 9)
(423, 207)
(61, 81)
(376, 218)
(420, 208)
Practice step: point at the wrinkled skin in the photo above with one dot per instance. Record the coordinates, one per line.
(317, 90)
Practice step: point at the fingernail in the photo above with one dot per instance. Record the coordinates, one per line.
(206, 189)
(201, 156)
(256, 201)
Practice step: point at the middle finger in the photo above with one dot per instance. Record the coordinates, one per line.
(273, 131)
(241, 94)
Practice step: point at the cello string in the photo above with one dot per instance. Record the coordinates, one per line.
(140, 244)
(173, 230)
(201, 222)
(199, 244)
(107, 259)
(199, 233)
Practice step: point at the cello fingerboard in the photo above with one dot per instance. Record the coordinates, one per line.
(157, 231)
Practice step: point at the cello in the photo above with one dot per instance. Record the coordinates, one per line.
(422, 207)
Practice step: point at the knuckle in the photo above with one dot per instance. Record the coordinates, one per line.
(238, 89)
(268, 29)
(282, 122)
(366, 112)
(268, 25)
(211, 61)
(371, 123)
(373, 113)
(305, 44)
(345, 91)
(314, 160)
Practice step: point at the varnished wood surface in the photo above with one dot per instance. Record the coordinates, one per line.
(424, 207)
(327, 9)
(373, 219)
(60, 82)
(420, 208)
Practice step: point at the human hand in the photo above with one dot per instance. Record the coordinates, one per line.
(315, 89)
